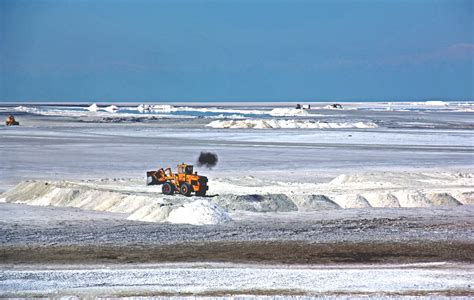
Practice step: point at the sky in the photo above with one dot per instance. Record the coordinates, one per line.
(241, 50)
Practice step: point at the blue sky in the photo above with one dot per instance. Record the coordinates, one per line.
(243, 50)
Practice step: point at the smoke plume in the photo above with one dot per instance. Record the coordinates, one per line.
(207, 159)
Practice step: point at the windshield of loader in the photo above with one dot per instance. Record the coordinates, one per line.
(189, 170)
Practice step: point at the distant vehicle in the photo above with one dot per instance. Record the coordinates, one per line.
(304, 106)
(184, 181)
(11, 121)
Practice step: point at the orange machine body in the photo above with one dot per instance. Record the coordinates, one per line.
(11, 121)
(184, 181)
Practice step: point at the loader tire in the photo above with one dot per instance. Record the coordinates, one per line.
(185, 189)
(167, 188)
(201, 192)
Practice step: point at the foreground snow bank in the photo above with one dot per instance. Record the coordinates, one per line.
(274, 124)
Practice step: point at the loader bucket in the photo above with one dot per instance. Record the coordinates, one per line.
(150, 178)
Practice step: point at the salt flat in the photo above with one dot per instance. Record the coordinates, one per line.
(398, 191)
(234, 279)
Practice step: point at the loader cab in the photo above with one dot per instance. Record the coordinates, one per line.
(185, 169)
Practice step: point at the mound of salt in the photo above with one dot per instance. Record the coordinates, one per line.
(163, 108)
(436, 103)
(199, 212)
(466, 198)
(351, 201)
(382, 200)
(364, 178)
(442, 199)
(287, 124)
(111, 108)
(27, 109)
(315, 202)
(415, 199)
(93, 107)
(140, 207)
(151, 213)
(287, 112)
(341, 179)
(73, 195)
(257, 203)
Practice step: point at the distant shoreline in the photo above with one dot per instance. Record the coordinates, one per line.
(224, 103)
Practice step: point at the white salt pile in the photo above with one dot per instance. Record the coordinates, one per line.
(314, 202)
(199, 212)
(163, 108)
(111, 108)
(93, 107)
(287, 112)
(351, 201)
(436, 103)
(364, 190)
(287, 124)
(143, 207)
(382, 200)
(25, 109)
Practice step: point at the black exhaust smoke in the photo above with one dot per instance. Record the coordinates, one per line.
(207, 159)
